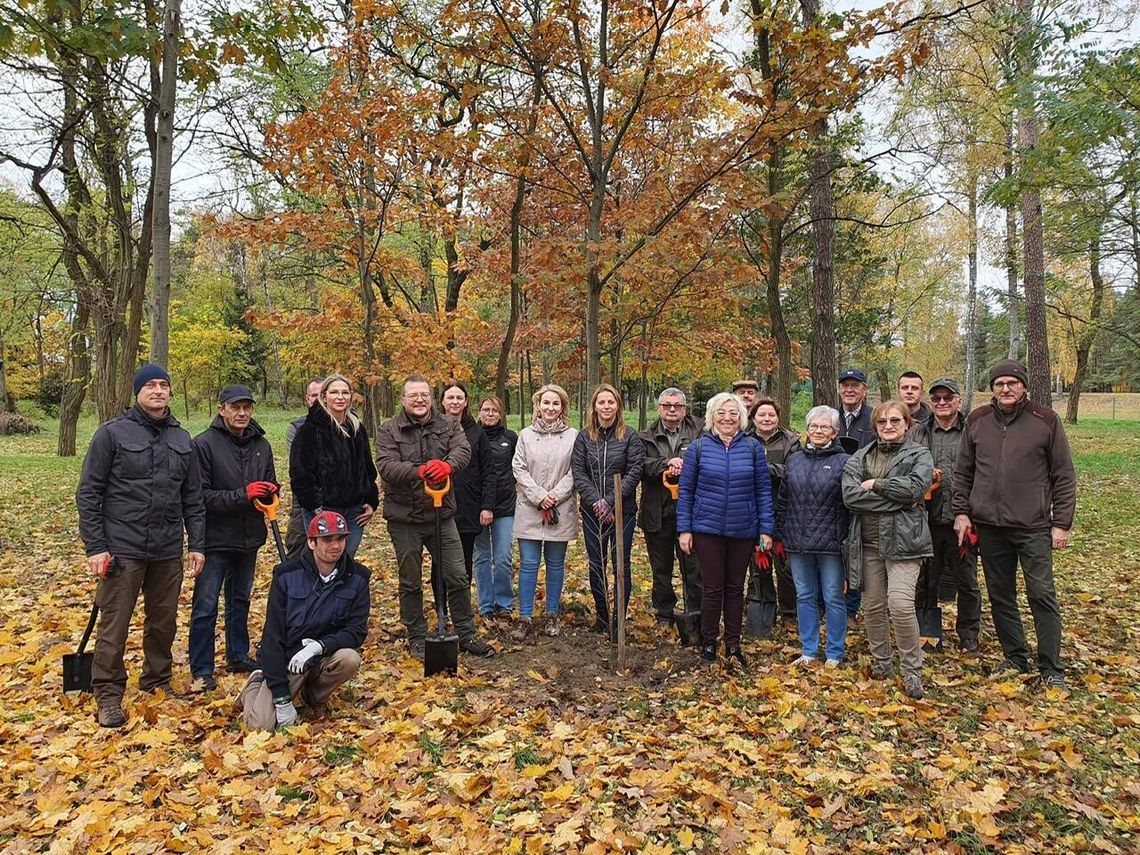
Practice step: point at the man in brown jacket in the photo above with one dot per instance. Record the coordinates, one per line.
(1014, 483)
(421, 444)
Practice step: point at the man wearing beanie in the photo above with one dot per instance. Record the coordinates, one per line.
(1015, 486)
(139, 488)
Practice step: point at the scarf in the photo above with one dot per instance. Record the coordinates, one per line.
(553, 427)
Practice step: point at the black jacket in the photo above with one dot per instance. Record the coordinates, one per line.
(140, 486)
(328, 469)
(810, 514)
(658, 510)
(227, 463)
(475, 485)
(595, 462)
(301, 606)
(502, 441)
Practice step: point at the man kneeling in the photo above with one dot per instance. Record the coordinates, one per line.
(315, 623)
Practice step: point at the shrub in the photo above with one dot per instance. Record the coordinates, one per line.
(14, 423)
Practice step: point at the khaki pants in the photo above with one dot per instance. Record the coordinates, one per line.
(117, 594)
(888, 588)
(311, 689)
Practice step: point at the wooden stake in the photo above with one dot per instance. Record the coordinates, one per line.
(619, 587)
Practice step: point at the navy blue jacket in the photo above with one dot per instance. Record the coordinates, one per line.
(725, 490)
(810, 514)
(302, 606)
(861, 428)
(595, 462)
(227, 463)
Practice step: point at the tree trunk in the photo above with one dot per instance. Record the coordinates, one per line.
(163, 157)
(779, 326)
(1088, 337)
(1013, 300)
(7, 405)
(972, 295)
(76, 377)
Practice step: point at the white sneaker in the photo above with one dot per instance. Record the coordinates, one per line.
(831, 663)
(803, 662)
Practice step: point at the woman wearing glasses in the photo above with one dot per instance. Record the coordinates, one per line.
(811, 521)
(884, 485)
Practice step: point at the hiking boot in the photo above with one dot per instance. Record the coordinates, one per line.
(708, 652)
(1007, 669)
(882, 670)
(733, 651)
(553, 626)
(475, 647)
(969, 645)
(912, 687)
(522, 630)
(241, 666)
(110, 713)
(1053, 680)
(203, 683)
(416, 649)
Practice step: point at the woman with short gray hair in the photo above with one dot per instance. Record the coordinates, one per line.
(811, 522)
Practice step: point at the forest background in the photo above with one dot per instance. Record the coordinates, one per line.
(515, 191)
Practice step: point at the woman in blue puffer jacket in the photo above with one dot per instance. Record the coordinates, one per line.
(724, 506)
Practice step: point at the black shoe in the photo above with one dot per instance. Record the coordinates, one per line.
(241, 666)
(203, 683)
(600, 626)
(969, 645)
(708, 653)
(1006, 669)
(475, 647)
(733, 651)
(664, 620)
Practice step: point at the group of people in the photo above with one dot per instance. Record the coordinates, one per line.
(865, 514)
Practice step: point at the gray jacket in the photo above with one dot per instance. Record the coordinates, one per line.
(904, 533)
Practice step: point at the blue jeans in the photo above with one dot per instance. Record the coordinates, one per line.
(815, 574)
(851, 602)
(355, 529)
(530, 554)
(493, 566)
(601, 543)
(231, 572)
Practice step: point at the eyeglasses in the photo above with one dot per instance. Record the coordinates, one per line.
(819, 428)
(942, 399)
(418, 396)
(1007, 384)
(894, 422)
(672, 406)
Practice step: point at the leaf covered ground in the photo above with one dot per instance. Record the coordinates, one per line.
(546, 749)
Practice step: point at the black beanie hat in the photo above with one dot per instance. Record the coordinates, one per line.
(150, 371)
(1009, 368)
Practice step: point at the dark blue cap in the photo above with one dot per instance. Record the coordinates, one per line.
(853, 374)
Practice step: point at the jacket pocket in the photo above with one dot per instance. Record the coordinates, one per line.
(179, 460)
(135, 460)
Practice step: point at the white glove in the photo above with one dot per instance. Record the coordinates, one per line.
(301, 658)
(286, 712)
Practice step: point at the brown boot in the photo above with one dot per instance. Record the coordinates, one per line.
(110, 713)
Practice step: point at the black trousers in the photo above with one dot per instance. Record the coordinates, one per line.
(663, 553)
(964, 571)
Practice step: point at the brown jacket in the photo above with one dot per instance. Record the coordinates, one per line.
(1015, 470)
(402, 446)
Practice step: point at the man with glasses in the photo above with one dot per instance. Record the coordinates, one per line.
(854, 411)
(665, 443)
(420, 444)
(944, 438)
(1015, 484)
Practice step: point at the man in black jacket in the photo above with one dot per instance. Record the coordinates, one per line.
(315, 624)
(665, 442)
(236, 464)
(139, 488)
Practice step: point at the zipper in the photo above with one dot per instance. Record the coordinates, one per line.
(1001, 473)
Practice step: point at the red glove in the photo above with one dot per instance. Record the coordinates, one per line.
(969, 543)
(434, 471)
(778, 548)
(260, 490)
(763, 559)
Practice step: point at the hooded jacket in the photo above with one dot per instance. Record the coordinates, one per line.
(402, 446)
(502, 441)
(139, 487)
(227, 463)
(328, 469)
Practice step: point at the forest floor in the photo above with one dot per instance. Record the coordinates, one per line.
(546, 748)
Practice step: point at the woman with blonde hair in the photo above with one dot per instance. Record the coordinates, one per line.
(607, 447)
(883, 487)
(330, 461)
(544, 516)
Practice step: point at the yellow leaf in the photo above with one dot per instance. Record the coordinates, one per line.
(685, 837)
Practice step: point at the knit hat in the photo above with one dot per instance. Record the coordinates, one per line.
(150, 371)
(1009, 368)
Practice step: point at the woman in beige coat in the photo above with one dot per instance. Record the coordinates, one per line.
(546, 518)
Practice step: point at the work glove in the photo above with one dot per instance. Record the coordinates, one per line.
(260, 490)
(778, 548)
(301, 658)
(434, 471)
(969, 544)
(763, 559)
(285, 711)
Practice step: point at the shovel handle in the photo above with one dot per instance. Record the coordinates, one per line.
(268, 508)
(673, 485)
(437, 493)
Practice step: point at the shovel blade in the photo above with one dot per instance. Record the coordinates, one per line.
(688, 628)
(77, 672)
(441, 655)
(760, 619)
(930, 629)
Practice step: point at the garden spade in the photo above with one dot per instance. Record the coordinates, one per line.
(77, 665)
(441, 651)
(269, 508)
(688, 622)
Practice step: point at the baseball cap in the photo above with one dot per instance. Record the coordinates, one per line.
(946, 383)
(234, 393)
(327, 524)
(853, 374)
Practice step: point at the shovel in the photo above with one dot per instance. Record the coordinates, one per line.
(761, 615)
(441, 652)
(77, 665)
(849, 444)
(270, 510)
(930, 629)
